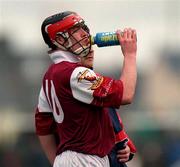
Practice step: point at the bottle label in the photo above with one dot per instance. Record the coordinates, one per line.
(105, 39)
(108, 37)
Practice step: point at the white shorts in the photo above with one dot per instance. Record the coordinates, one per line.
(74, 159)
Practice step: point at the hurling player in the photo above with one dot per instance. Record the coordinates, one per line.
(78, 104)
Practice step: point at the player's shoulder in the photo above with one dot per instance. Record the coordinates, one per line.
(60, 67)
(83, 72)
(60, 70)
(66, 68)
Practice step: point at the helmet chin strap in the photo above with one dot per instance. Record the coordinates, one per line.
(82, 51)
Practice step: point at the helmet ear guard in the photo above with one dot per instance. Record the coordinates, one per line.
(62, 40)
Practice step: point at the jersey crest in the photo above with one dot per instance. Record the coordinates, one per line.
(91, 77)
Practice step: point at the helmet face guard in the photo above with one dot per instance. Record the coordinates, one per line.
(62, 29)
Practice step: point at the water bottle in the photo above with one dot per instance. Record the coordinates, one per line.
(105, 39)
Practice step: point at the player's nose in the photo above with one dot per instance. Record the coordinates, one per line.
(83, 33)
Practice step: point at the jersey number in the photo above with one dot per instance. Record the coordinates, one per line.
(54, 102)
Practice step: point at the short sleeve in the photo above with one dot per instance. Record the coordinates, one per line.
(44, 120)
(92, 88)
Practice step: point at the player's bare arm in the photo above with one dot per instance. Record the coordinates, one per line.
(128, 41)
(49, 146)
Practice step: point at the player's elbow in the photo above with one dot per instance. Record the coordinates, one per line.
(128, 92)
(127, 99)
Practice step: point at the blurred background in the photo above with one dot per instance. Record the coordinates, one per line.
(152, 120)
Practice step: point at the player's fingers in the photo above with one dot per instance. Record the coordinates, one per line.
(129, 32)
(134, 36)
(119, 34)
(123, 159)
(124, 151)
(123, 155)
(125, 33)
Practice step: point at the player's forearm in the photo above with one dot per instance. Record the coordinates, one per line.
(128, 41)
(48, 144)
(129, 77)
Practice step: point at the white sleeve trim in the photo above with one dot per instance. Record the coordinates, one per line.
(43, 105)
(81, 83)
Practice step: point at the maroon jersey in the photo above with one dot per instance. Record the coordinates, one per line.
(73, 98)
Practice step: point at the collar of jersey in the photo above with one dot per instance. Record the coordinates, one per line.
(60, 56)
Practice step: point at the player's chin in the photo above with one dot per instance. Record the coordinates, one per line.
(89, 63)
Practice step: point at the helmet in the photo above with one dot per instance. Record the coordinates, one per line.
(58, 25)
